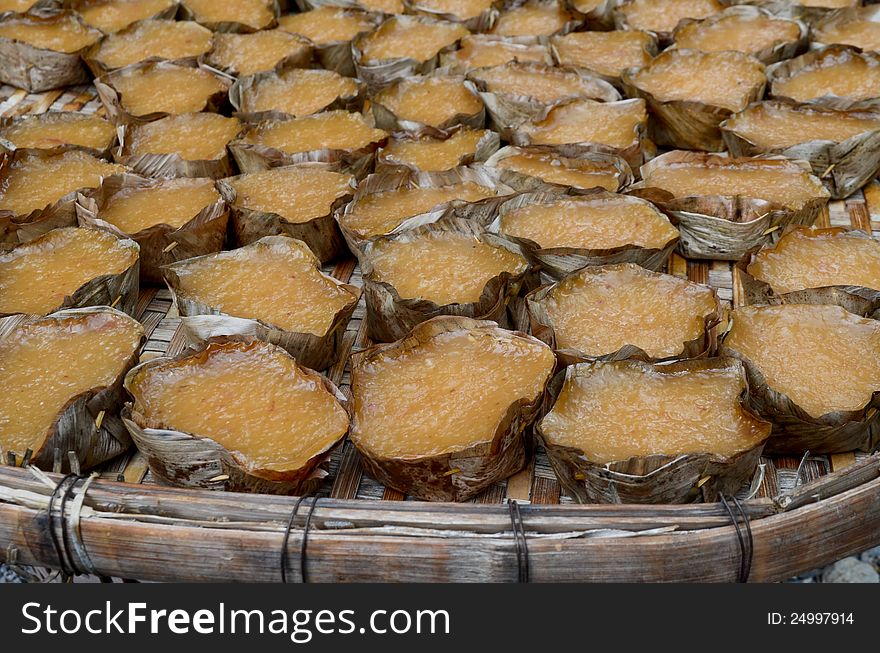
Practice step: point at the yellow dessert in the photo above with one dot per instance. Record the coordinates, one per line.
(166, 89)
(446, 394)
(483, 51)
(846, 74)
(615, 411)
(748, 34)
(823, 358)
(399, 38)
(598, 310)
(778, 126)
(248, 54)
(113, 15)
(533, 19)
(380, 213)
(605, 53)
(602, 222)
(772, 180)
(46, 363)
(327, 24)
(442, 267)
(434, 100)
(382, 6)
(434, 154)
(56, 129)
(544, 84)
(192, 136)
(815, 258)
(167, 201)
(664, 15)
(298, 92)
(251, 398)
(255, 14)
(578, 173)
(722, 79)
(164, 39)
(860, 31)
(828, 4)
(614, 124)
(280, 285)
(333, 130)
(33, 182)
(60, 34)
(36, 277)
(459, 9)
(297, 194)
(16, 6)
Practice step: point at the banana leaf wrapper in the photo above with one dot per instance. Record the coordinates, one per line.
(655, 479)
(160, 244)
(189, 460)
(390, 317)
(201, 322)
(457, 475)
(88, 425)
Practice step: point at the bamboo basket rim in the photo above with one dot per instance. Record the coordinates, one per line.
(691, 542)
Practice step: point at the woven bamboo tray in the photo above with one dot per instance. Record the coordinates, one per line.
(799, 513)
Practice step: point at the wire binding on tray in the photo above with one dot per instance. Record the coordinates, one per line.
(519, 538)
(305, 539)
(63, 489)
(304, 542)
(286, 538)
(746, 542)
(71, 536)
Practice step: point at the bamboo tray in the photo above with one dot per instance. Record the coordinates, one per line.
(801, 512)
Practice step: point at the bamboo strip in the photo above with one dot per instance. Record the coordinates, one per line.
(859, 216)
(78, 102)
(11, 102)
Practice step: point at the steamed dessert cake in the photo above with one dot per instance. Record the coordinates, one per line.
(64, 33)
(816, 258)
(382, 212)
(434, 100)
(248, 54)
(166, 89)
(326, 24)
(414, 39)
(434, 154)
(53, 129)
(596, 311)
(37, 276)
(164, 39)
(47, 363)
(251, 398)
(191, 136)
(617, 410)
(298, 92)
(34, 182)
(534, 18)
(173, 202)
(275, 280)
(253, 14)
(453, 268)
(604, 221)
(113, 15)
(333, 130)
(823, 358)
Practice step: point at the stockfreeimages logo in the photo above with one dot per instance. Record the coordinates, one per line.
(299, 625)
